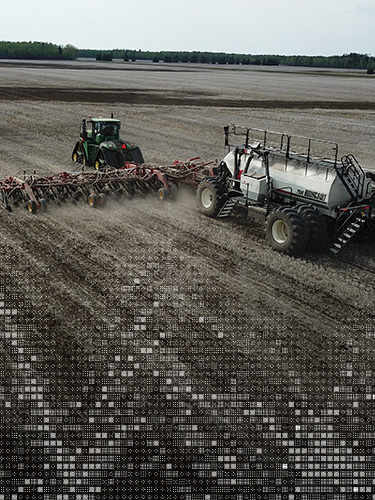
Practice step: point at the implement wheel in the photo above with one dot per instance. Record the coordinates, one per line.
(287, 231)
(92, 200)
(102, 200)
(174, 192)
(32, 206)
(210, 197)
(43, 205)
(163, 194)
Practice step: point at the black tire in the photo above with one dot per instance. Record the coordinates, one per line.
(163, 194)
(210, 197)
(32, 206)
(43, 205)
(317, 228)
(92, 200)
(102, 200)
(287, 231)
(173, 192)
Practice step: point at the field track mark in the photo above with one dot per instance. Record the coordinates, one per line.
(103, 95)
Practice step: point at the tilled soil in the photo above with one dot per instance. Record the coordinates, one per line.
(161, 98)
(151, 352)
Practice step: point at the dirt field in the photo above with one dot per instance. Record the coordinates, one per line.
(151, 352)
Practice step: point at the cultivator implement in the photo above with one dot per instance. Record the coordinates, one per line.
(35, 193)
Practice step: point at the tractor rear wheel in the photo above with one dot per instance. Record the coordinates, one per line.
(287, 231)
(317, 227)
(210, 197)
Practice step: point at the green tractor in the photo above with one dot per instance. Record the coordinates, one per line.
(100, 145)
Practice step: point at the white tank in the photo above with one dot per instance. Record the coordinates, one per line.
(309, 182)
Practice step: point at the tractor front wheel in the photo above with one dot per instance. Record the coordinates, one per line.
(287, 231)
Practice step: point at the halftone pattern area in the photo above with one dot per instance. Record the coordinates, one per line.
(164, 398)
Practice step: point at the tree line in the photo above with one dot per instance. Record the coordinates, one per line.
(43, 50)
(37, 50)
(349, 61)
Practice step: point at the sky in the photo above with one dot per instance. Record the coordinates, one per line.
(285, 27)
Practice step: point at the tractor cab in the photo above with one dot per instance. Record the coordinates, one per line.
(98, 130)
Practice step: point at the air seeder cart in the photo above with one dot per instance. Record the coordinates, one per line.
(300, 187)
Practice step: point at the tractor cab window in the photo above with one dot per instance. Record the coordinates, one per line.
(86, 129)
(108, 129)
(96, 129)
(89, 129)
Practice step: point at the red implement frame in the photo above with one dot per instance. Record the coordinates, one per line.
(35, 192)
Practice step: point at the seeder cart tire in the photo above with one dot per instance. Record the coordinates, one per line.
(317, 228)
(210, 197)
(287, 231)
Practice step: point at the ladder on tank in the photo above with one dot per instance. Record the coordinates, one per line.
(352, 176)
(227, 208)
(351, 226)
